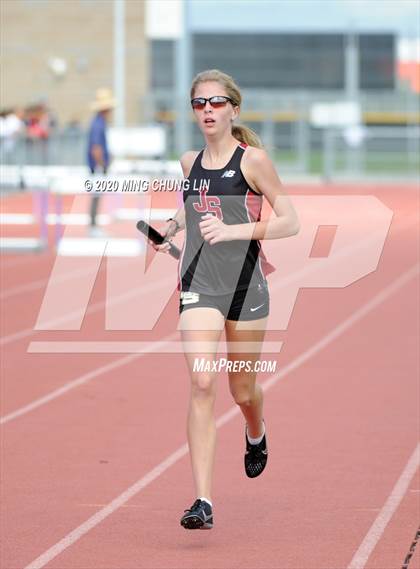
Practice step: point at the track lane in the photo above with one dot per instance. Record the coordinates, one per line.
(301, 453)
(153, 543)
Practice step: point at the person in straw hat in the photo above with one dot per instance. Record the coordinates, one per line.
(97, 152)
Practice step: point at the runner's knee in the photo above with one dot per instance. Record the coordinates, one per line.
(203, 386)
(243, 396)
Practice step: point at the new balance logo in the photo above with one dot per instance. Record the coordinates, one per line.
(228, 173)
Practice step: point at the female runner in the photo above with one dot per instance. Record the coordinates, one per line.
(223, 273)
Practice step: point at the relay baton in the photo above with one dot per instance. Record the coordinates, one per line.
(151, 233)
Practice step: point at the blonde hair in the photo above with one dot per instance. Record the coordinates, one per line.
(240, 132)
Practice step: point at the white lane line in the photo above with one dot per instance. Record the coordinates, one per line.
(120, 500)
(378, 527)
(90, 310)
(348, 322)
(153, 347)
(6, 263)
(157, 214)
(17, 218)
(69, 219)
(103, 513)
(34, 285)
(327, 339)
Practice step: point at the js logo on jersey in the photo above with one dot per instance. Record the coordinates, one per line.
(228, 174)
(209, 204)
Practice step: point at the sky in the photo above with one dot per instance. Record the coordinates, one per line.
(401, 16)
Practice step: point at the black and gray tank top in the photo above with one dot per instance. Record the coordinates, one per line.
(223, 267)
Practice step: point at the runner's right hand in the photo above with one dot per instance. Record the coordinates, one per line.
(168, 231)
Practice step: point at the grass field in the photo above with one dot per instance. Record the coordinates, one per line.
(370, 163)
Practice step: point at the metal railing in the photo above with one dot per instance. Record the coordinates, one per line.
(296, 147)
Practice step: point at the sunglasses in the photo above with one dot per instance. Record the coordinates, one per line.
(216, 102)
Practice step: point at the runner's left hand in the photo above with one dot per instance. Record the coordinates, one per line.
(213, 230)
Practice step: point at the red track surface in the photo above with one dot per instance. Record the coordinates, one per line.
(342, 426)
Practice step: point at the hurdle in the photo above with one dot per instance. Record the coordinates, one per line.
(34, 177)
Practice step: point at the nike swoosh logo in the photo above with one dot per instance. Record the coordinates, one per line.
(257, 307)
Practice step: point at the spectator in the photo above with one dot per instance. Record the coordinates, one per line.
(11, 127)
(97, 153)
(38, 130)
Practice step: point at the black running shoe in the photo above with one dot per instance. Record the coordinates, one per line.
(199, 516)
(255, 457)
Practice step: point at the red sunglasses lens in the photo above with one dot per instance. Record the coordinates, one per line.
(198, 104)
(215, 102)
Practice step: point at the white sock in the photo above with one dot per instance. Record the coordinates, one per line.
(259, 439)
(206, 500)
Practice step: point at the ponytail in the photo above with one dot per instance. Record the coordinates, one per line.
(246, 135)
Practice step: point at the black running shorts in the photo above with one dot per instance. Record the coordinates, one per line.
(248, 304)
